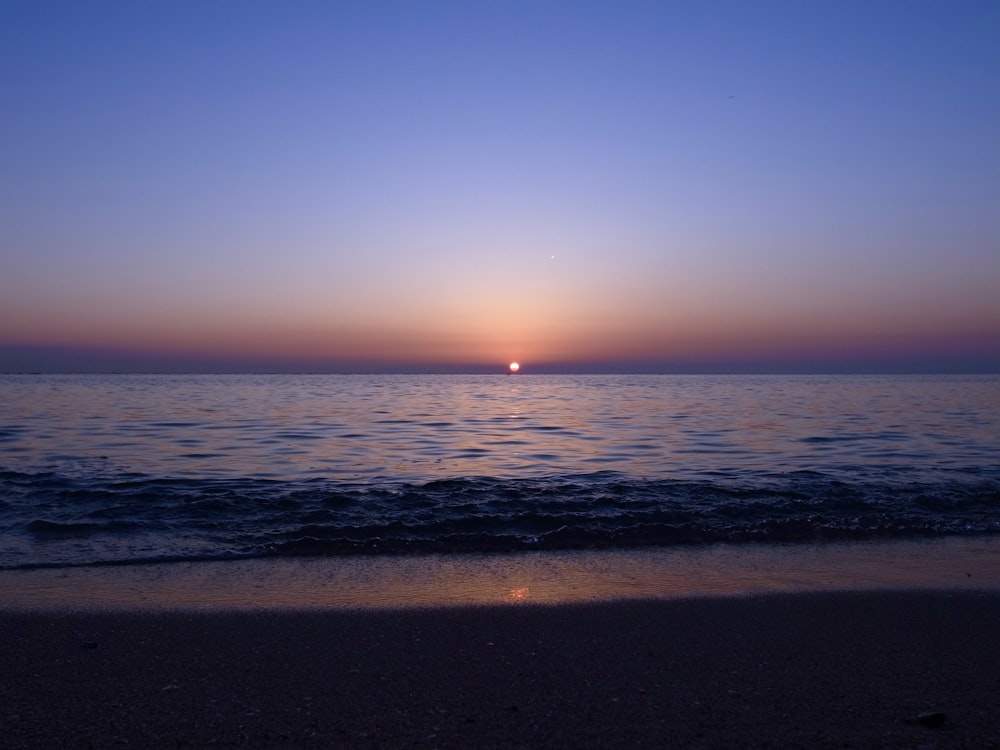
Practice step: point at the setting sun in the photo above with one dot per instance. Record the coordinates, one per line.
(514, 367)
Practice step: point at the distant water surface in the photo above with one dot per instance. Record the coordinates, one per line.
(129, 468)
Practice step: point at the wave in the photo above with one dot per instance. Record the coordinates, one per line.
(57, 520)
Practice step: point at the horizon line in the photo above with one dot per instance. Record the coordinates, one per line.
(499, 372)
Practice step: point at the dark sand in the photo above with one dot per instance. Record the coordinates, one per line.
(801, 670)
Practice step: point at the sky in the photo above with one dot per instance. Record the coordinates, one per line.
(450, 186)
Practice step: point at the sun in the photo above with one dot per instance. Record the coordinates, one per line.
(514, 367)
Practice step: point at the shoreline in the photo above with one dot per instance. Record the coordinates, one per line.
(399, 582)
(819, 670)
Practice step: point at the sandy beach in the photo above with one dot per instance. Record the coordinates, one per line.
(863, 670)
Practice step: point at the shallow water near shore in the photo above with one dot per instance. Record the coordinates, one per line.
(955, 563)
(129, 469)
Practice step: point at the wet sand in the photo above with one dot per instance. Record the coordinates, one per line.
(784, 670)
(566, 577)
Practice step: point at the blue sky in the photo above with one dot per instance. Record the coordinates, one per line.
(454, 185)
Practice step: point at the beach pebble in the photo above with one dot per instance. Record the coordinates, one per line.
(932, 719)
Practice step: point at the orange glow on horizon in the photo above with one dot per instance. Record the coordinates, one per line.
(687, 337)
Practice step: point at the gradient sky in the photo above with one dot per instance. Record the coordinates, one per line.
(452, 185)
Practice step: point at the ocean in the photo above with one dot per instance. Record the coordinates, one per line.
(128, 470)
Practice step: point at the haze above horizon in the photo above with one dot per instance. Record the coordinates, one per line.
(627, 187)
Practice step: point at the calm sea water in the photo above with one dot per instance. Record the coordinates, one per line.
(136, 468)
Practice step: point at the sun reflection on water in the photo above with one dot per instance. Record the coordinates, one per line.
(518, 595)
